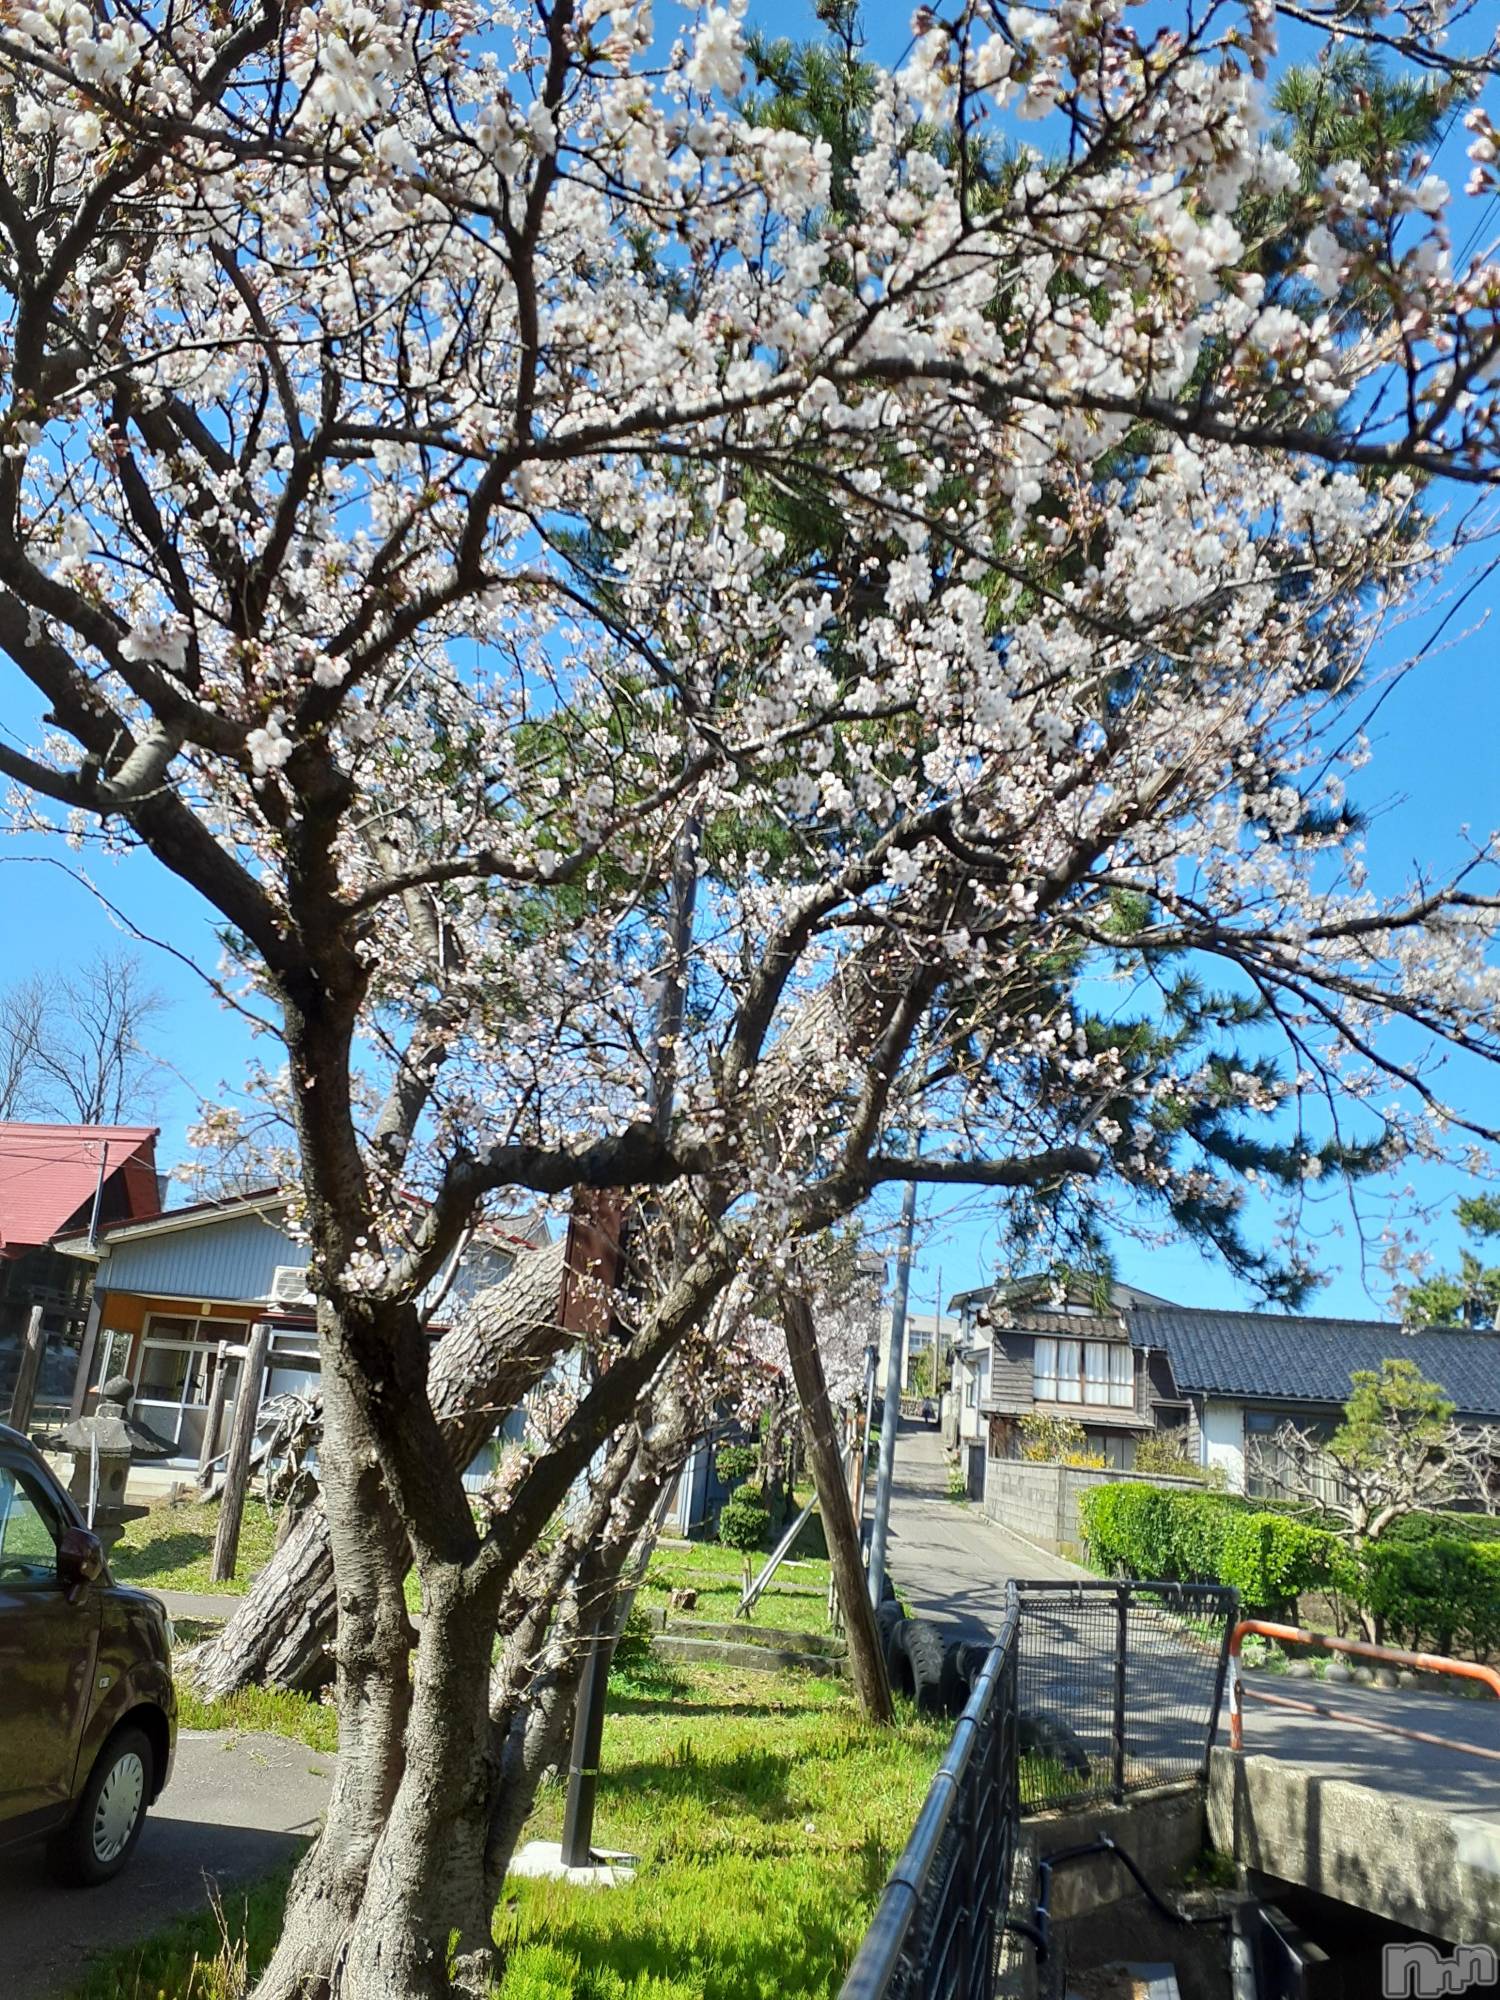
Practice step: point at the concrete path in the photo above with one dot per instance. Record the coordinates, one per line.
(236, 1807)
(949, 1560)
(204, 1606)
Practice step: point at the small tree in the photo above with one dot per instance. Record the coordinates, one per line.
(921, 1375)
(1163, 1455)
(743, 1522)
(734, 1463)
(1397, 1451)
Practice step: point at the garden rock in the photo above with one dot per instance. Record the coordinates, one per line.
(1337, 1671)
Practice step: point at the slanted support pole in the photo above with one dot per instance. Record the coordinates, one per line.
(29, 1372)
(237, 1469)
(866, 1658)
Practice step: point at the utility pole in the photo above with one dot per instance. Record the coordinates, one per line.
(890, 1421)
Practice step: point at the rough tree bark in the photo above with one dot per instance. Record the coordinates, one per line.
(866, 1660)
(283, 1632)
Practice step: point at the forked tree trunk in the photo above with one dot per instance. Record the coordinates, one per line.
(282, 1634)
(866, 1660)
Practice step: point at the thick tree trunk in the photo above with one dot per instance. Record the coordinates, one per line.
(373, 1645)
(423, 1928)
(282, 1634)
(866, 1659)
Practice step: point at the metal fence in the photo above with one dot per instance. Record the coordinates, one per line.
(1118, 1686)
(934, 1932)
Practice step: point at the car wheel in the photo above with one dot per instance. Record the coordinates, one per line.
(99, 1838)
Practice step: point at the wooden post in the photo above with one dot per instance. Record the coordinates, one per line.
(87, 1348)
(29, 1373)
(866, 1658)
(237, 1467)
(213, 1422)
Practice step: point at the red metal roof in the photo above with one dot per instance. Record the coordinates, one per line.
(48, 1175)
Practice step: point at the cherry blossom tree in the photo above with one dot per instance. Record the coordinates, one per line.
(672, 682)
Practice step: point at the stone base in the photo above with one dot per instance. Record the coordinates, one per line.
(542, 1860)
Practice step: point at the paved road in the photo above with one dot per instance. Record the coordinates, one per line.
(951, 1561)
(952, 1564)
(236, 1807)
(1445, 1776)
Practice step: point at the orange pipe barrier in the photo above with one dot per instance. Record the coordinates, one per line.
(1289, 1635)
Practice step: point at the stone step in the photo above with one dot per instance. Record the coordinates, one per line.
(740, 1631)
(727, 1653)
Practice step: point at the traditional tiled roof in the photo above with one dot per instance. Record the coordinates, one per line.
(1281, 1358)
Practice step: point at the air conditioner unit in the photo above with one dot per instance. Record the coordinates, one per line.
(289, 1286)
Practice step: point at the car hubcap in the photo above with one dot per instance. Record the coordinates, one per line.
(119, 1806)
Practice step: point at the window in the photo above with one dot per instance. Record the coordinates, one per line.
(1101, 1372)
(28, 1533)
(175, 1373)
(1070, 1371)
(1096, 1371)
(1122, 1378)
(1044, 1371)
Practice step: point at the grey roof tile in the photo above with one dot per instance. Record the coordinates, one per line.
(1278, 1357)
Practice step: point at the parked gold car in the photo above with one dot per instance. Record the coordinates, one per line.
(88, 1718)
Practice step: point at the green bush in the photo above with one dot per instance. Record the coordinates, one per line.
(1433, 1584)
(1460, 1527)
(743, 1521)
(1270, 1558)
(1434, 1592)
(734, 1462)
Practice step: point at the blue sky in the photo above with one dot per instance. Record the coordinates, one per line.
(1434, 770)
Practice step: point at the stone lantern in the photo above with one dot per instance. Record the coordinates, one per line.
(103, 1447)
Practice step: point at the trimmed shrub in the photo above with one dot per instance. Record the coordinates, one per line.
(1434, 1592)
(1151, 1531)
(743, 1521)
(1460, 1527)
(735, 1462)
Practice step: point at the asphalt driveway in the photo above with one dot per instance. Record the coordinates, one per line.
(236, 1807)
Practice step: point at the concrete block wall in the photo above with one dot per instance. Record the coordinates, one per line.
(1041, 1501)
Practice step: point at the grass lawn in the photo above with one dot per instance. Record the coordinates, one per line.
(764, 1811)
(170, 1547)
(796, 1599)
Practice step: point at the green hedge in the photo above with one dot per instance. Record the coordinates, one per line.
(1268, 1557)
(1459, 1527)
(1435, 1593)
(1432, 1580)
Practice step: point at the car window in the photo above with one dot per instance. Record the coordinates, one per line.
(28, 1530)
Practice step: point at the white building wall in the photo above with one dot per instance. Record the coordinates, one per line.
(1224, 1441)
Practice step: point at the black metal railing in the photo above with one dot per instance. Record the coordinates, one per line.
(934, 1932)
(1118, 1686)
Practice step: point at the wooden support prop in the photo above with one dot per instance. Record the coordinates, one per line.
(213, 1422)
(29, 1373)
(237, 1470)
(866, 1658)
